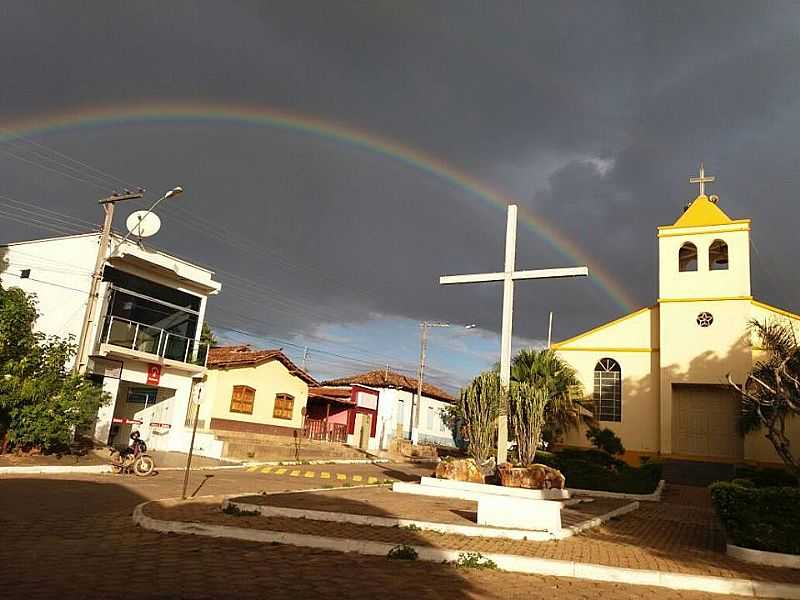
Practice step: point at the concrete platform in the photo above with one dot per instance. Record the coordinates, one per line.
(463, 490)
(519, 513)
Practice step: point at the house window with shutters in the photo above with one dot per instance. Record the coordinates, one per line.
(284, 406)
(608, 390)
(242, 399)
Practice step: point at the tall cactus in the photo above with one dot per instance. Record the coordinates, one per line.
(479, 406)
(526, 405)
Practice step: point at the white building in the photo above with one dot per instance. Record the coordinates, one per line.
(393, 414)
(144, 339)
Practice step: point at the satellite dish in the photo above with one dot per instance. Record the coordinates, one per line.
(143, 224)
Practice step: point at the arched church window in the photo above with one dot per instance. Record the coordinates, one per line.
(718, 256)
(607, 390)
(687, 257)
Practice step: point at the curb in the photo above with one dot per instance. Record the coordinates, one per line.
(294, 463)
(446, 528)
(763, 557)
(654, 497)
(54, 469)
(506, 562)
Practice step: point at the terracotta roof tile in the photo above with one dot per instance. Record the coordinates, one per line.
(227, 357)
(339, 394)
(390, 379)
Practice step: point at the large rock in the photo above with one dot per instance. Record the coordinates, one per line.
(462, 469)
(533, 477)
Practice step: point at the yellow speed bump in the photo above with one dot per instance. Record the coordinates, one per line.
(294, 473)
(357, 478)
(309, 474)
(341, 477)
(324, 475)
(252, 469)
(280, 471)
(372, 480)
(266, 469)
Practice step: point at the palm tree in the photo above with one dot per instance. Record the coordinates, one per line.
(771, 391)
(545, 370)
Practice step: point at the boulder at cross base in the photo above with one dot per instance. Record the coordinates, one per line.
(533, 477)
(461, 469)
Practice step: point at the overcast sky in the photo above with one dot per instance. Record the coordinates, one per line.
(591, 115)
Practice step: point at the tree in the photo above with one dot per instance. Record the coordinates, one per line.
(42, 404)
(771, 391)
(207, 335)
(545, 370)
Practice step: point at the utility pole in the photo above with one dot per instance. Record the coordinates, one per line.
(97, 275)
(305, 358)
(423, 347)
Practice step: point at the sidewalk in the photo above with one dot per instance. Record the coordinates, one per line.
(678, 536)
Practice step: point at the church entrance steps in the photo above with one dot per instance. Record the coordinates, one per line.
(675, 544)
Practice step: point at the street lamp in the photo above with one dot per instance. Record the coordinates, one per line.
(173, 192)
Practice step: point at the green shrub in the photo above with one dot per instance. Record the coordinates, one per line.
(232, 509)
(475, 560)
(766, 477)
(759, 518)
(743, 482)
(402, 552)
(605, 440)
(597, 470)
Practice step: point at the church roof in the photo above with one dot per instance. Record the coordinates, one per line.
(702, 212)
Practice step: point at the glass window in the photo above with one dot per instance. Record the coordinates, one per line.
(718, 256)
(687, 257)
(242, 399)
(142, 396)
(607, 390)
(154, 290)
(284, 406)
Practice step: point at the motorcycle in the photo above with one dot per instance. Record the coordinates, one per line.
(133, 458)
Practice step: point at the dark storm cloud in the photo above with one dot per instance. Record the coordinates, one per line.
(592, 114)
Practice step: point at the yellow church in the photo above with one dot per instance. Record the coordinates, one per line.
(657, 377)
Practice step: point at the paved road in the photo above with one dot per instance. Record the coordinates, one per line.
(72, 537)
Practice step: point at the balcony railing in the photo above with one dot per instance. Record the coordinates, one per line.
(153, 340)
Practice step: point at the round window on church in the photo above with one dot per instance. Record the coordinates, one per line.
(704, 319)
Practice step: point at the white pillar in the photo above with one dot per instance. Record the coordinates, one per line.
(505, 335)
(102, 425)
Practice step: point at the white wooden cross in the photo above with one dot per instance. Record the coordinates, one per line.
(508, 276)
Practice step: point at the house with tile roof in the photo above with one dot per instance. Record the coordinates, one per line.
(377, 407)
(253, 391)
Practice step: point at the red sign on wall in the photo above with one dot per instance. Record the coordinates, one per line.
(153, 374)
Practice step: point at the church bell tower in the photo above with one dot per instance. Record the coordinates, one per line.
(705, 254)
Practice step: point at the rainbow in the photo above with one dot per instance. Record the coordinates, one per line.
(322, 128)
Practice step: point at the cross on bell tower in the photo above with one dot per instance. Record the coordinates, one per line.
(702, 180)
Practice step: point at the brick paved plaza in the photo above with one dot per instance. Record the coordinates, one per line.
(72, 536)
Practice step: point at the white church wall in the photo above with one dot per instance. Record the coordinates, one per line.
(639, 425)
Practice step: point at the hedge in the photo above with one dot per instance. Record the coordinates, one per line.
(759, 518)
(597, 470)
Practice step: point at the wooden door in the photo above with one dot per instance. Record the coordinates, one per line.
(705, 422)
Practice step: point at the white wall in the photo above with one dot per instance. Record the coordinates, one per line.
(430, 409)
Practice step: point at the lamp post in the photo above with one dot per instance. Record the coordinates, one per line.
(423, 347)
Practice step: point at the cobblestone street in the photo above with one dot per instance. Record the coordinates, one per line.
(72, 536)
